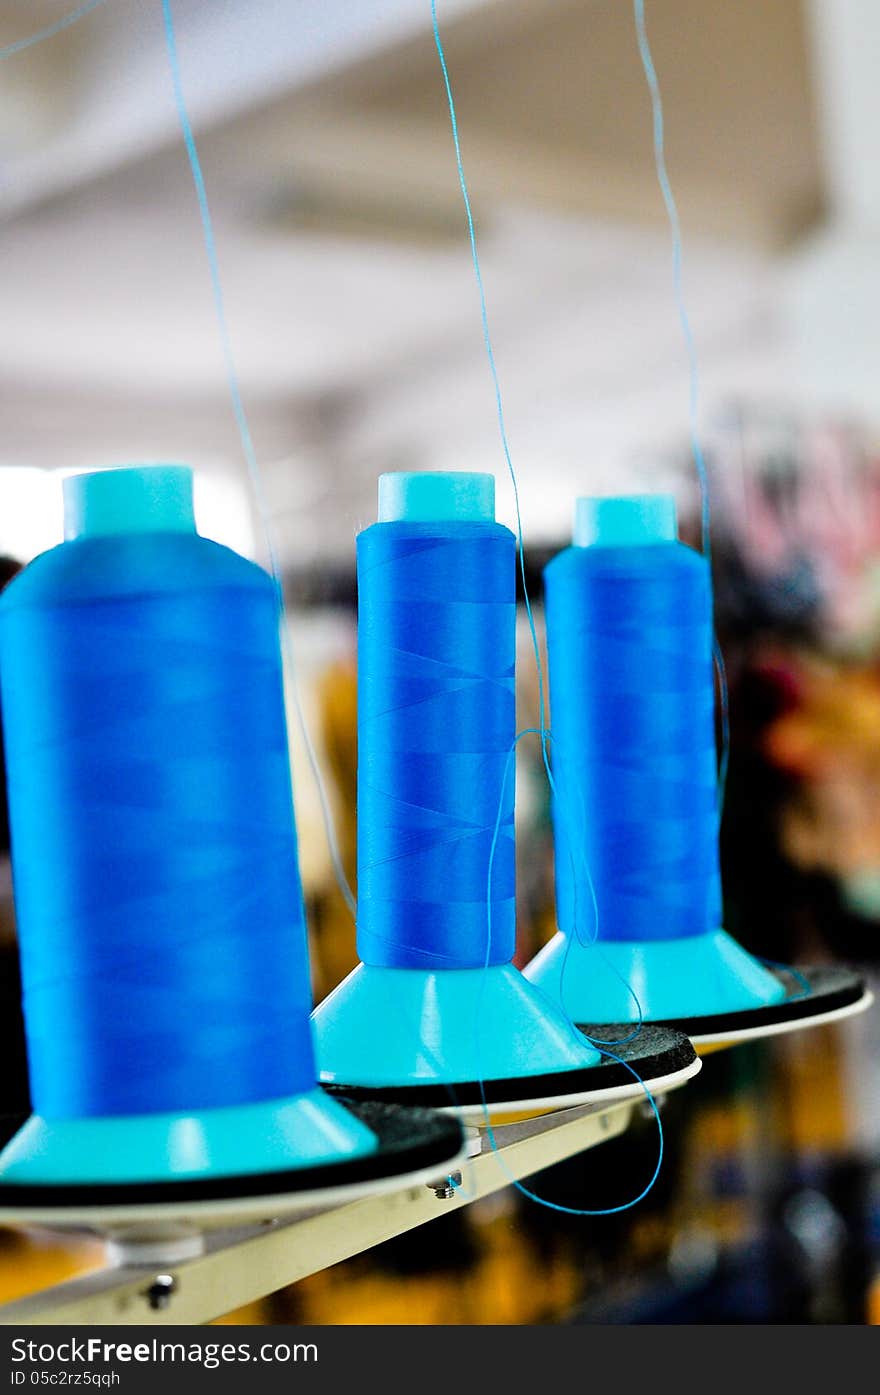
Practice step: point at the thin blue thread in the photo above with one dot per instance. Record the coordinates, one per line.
(806, 986)
(578, 1210)
(675, 229)
(574, 852)
(499, 405)
(523, 1190)
(493, 369)
(544, 733)
(591, 940)
(214, 272)
(693, 365)
(51, 29)
(580, 1037)
(244, 432)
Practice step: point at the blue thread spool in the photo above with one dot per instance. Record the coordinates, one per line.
(160, 917)
(436, 726)
(629, 634)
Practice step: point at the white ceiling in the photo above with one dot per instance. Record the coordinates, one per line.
(356, 352)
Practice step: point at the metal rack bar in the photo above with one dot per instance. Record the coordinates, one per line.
(247, 1263)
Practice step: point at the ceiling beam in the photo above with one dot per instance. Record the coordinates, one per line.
(115, 89)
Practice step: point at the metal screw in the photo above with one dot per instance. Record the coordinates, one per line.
(159, 1293)
(445, 1190)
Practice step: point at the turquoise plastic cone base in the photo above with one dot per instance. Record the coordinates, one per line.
(699, 976)
(273, 1136)
(397, 1027)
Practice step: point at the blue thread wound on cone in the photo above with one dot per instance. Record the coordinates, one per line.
(436, 999)
(154, 849)
(629, 633)
(436, 706)
(629, 637)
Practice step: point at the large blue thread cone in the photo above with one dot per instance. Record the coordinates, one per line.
(629, 632)
(165, 969)
(436, 723)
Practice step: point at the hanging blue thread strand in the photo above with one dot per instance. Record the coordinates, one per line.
(675, 230)
(583, 1210)
(244, 432)
(571, 841)
(499, 406)
(238, 408)
(436, 706)
(154, 849)
(598, 1042)
(544, 732)
(50, 30)
(493, 369)
(805, 987)
(693, 365)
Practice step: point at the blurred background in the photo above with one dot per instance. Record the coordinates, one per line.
(350, 297)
